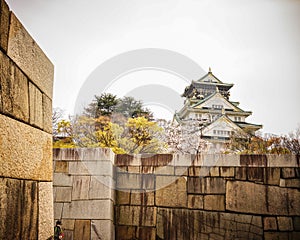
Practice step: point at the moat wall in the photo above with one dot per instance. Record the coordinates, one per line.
(26, 79)
(176, 196)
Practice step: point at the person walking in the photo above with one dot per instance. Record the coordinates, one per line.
(58, 233)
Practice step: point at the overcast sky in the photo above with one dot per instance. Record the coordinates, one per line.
(254, 44)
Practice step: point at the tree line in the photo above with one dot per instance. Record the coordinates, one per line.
(126, 126)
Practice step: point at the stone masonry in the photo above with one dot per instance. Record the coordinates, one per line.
(26, 79)
(207, 197)
(84, 195)
(102, 196)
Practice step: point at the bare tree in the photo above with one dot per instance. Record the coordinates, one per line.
(185, 138)
(57, 115)
(292, 141)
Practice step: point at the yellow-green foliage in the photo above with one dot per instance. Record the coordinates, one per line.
(137, 135)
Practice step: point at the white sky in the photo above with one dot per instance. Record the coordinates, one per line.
(254, 44)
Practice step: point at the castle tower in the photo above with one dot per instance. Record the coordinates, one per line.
(207, 101)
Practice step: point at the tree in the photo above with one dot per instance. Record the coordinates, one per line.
(138, 135)
(108, 104)
(102, 105)
(84, 131)
(292, 141)
(144, 136)
(63, 138)
(247, 143)
(184, 138)
(57, 115)
(128, 106)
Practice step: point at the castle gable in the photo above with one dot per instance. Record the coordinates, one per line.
(217, 101)
(222, 127)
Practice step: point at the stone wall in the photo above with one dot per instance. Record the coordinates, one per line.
(26, 79)
(84, 195)
(208, 197)
(176, 196)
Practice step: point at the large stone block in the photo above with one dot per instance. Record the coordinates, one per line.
(283, 201)
(126, 232)
(253, 160)
(6, 78)
(241, 173)
(62, 194)
(96, 154)
(156, 159)
(71, 154)
(285, 223)
(68, 234)
(196, 201)
(227, 171)
(123, 197)
(133, 169)
(129, 181)
(292, 183)
(94, 168)
(82, 229)
(88, 209)
(68, 224)
(144, 160)
(198, 171)
(36, 106)
(136, 215)
(25, 152)
(288, 172)
(249, 197)
(58, 209)
(4, 24)
(165, 170)
(102, 229)
(102, 187)
(272, 176)
(214, 171)
(214, 202)
(197, 224)
(172, 195)
(46, 216)
(209, 185)
(81, 187)
(62, 179)
(279, 236)
(19, 209)
(283, 160)
(270, 223)
(47, 114)
(256, 174)
(128, 160)
(185, 160)
(66, 154)
(181, 171)
(142, 198)
(61, 167)
(23, 50)
(147, 233)
(135, 181)
(241, 196)
(221, 160)
(13, 90)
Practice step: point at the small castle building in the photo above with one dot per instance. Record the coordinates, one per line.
(207, 102)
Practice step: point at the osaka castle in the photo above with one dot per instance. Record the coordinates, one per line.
(207, 102)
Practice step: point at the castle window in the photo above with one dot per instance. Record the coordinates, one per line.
(222, 132)
(214, 106)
